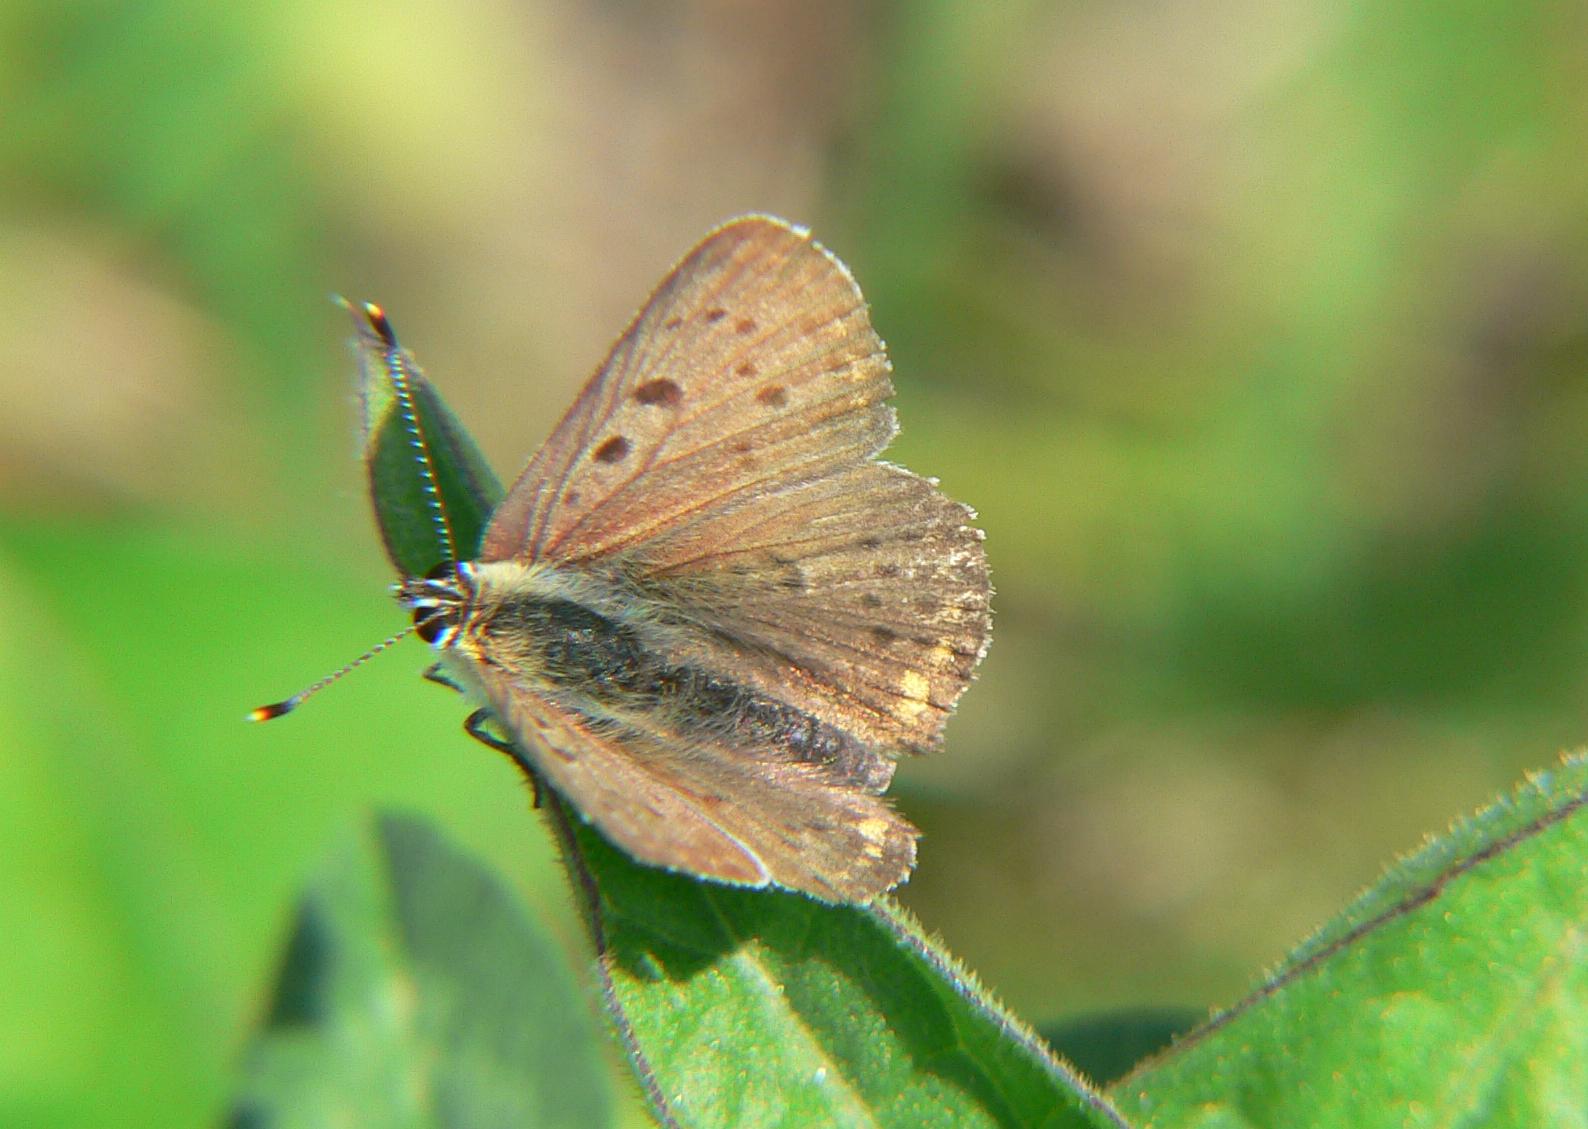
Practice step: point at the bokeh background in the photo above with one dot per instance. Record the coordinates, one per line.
(1257, 332)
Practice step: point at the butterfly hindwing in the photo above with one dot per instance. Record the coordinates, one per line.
(865, 591)
(710, 811)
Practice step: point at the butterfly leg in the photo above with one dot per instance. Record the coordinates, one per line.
(475, 726)
(434, 673)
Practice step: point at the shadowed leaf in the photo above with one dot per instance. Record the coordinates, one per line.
(468, 487)
(1106, 1046)
(415, 992)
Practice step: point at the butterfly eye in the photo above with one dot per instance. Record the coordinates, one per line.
(437, 601)
(431, 622)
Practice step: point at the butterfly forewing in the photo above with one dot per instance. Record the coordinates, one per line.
(753, 364)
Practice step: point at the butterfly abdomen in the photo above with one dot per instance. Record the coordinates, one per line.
(565, 635)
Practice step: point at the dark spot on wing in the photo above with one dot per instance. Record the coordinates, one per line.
(715, 314)
(745, 325)
(870, 542)
(746, 369)
(663, 393)
(740, 447)
(884, 634)
(571, 498)
(614, 450)
(773, 396)
(870, 600)
(888, 570)
(673, 323)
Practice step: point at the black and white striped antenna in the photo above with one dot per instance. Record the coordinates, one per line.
(374, 328)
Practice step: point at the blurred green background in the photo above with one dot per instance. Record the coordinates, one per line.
(1256, 333)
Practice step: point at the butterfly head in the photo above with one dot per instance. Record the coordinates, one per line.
(439, 601)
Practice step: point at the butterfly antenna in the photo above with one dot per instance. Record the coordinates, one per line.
(279, 709)
(402, 383)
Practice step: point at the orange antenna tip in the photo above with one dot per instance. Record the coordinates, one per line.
(274, 710)
(379, 324)
(287, 705)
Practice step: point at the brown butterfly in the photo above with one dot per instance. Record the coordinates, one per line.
(705, 613)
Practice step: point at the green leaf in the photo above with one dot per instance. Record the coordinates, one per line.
(741, 1007)
(416, 992)
(397, 465)
(1454, 992)
(753, 1007)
